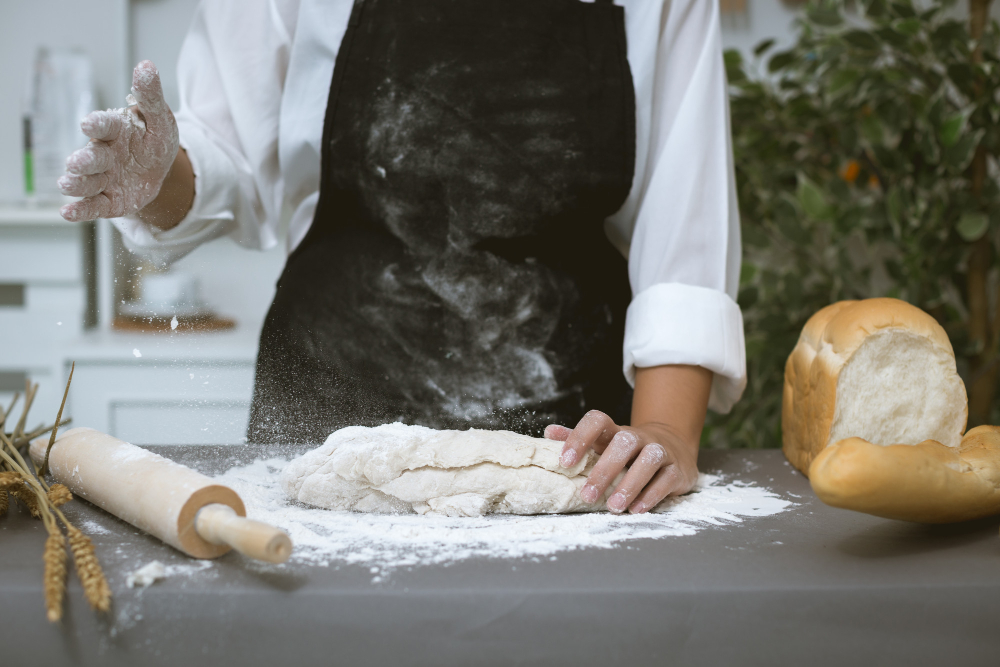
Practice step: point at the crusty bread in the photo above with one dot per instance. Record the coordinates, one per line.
(879, 369)
(927, 483)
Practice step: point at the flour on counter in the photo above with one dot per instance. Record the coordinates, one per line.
(389, 541)
(153, 571)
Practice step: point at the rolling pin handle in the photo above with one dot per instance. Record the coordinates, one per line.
(219, 524)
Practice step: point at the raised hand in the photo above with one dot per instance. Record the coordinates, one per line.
(129, 154)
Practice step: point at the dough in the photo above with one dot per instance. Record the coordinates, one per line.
(402, 469)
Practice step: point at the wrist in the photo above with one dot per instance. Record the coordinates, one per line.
(176, 196)
(672, 399)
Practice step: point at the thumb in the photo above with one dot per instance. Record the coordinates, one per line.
(148, 94)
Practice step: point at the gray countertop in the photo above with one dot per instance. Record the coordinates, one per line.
(809, 586)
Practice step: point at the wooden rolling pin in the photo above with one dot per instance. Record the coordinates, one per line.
(183, 508)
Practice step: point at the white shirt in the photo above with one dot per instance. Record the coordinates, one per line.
(254, 77)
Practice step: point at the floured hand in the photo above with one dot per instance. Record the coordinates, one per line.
(128, 157)
(660, 462)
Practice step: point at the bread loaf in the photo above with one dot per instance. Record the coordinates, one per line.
(880, 370)
(928, 483)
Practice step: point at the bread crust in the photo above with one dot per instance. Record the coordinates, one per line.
(925, 483)
(827, 342)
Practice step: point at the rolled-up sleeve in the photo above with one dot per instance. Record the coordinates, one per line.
(684, 253)
(231, 73)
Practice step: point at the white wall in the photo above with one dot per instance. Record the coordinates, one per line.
(156, 28)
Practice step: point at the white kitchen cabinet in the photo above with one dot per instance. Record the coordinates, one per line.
(184, 389)
(56, 295)
(46, 300)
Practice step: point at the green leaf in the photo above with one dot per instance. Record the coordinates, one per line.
(960, 155)
(754, 236)
(972, 226)
(811, 198)
(733, 60)
(894, 38)
(748, 297)
(843, 80)
(904, 9)
(780, 61)
(793, 230)
(929, 148)
(907, 26)
(828, 18)
(894, 208)
(952, 128)
(872, 130)
(875, 8)
(762, 47)
(962, 74)
(951, 35)
(862, 39)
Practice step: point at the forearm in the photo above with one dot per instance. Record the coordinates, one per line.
(673, 399)
(176, 196)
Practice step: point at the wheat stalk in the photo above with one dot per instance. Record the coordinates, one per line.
(59, 495)
(28, 498)
(95, 585)
(55, 572)
(17, 478)
(9, 479)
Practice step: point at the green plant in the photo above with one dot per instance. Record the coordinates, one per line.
(865, 166)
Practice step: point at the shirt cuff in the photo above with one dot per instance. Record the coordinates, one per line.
(672, 323)
(211, 214)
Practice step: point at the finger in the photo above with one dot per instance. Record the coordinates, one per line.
(665, 483)
(622, 449)
(74, 185)
(594, 431)
(94, 158)
(102, 125)
(557, 432)
(650, 461)
(90, 208)
(148, 93)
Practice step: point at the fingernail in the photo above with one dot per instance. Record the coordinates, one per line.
(637, 508)
(589, 493)
(569, 458)
(616, 503)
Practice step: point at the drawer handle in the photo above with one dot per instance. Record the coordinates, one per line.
(11, 381)
(12, 294)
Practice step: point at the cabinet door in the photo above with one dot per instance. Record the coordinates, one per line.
(177, 403)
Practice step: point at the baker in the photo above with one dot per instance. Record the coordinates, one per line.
(462, 181)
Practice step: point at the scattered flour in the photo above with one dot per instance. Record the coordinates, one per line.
(93, 528)
(388, 541)
(153, 571)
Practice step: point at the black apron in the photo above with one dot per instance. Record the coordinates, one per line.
(457, 272)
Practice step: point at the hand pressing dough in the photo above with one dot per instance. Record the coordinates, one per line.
(399, 468)
(928, 482)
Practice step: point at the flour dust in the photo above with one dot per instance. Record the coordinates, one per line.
(385, 542)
